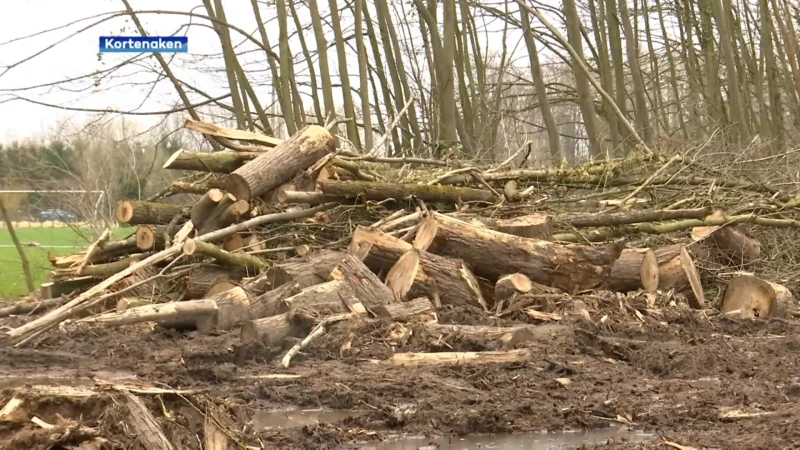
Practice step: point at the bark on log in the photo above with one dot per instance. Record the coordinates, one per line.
(447, 279)
(228, 211)
(216, 162)
(281, 164)
(204, 208)
(233, 308)
(146, 427)
(307, 270)
(271, 330)
(311, 198)
(629, 217)
(332, 297)
(271, 303)
(534, 226)
(750, 297)
(161, 312)
(676, 270)
(635, 269)
(493, 254)
(734, 246)
(383, 191)
(245, 260)
(418, 308)
(368, 288)
(143, 213)
(152, 238)
(509, 285)
(201, 279)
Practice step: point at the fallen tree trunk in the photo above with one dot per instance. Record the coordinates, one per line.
(153, 238)
(734, 247)
(97, 270)
(271, 330)
(493, 254)
(635, 269)
(216, 162)
(281, 164)
(332, 297)
(271, 303)
(144, 425)
(148, 213)
(383, 191)
(161, 312)
(311, 197)
(245, 260)
(676, 270)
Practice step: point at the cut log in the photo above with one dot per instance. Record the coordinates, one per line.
(281, 164)
(271, 303)
(456, 358)
(635, 269)
(204, 208)
(161, 312)
(271, 330)
(430, 275)
(368, 288)
(535, 226)
(676, 270)
(97, 270)
(328, 298)
(216, 162)
(143, 213)
(383, 191)
(733, 245)
(228, 211)
(233, 308)
(492, 254)
(152, 238)
(307, 270)
(509, 285)
(245, 260)
(127, 303)
(420, 308)
(750, 297)
(204, 277)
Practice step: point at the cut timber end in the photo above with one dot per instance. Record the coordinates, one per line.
(508, 285)
(145, 238)
(219, 288)
(426, 233)
(189, 247)
(698, 301)
(401, 276)
(124, 212)
(649, 273)
(534, 226)
(750, 296)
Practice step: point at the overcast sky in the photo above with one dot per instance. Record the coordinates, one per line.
(77, 55)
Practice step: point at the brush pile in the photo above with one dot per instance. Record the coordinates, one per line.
(284, 239)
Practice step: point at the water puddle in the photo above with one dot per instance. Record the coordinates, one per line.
(268, 420)
(518, 441)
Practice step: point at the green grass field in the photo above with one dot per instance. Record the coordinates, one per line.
(59, 241)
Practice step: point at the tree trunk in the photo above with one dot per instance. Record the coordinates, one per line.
(493, 254)
(135, 212)
(280, 164)
(160, 312)
(366, 285)
(419, 308)
(26, 268)
(215, 162)
(308, 270)
(635, 269)
(233, 308)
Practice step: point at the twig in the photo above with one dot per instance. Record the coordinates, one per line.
(389, 130)
(648, 180)
(318, 331)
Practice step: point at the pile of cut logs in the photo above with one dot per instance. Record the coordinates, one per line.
(218, 264)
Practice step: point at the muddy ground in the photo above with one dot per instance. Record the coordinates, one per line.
(691, 378)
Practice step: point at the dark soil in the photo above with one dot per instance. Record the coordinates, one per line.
(698, 381)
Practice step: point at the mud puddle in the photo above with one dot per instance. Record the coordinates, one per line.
(276, 420)
(517, 441)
